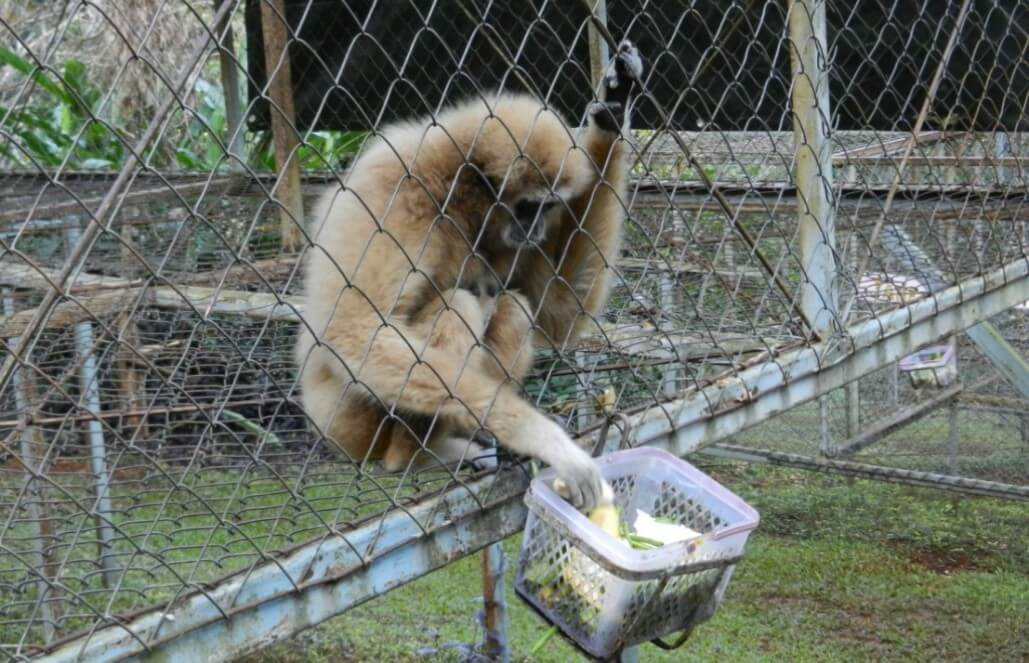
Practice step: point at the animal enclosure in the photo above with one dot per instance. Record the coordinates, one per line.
(814, 197)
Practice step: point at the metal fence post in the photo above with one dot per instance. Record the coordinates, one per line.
(813, 163)
(1002, 149)
(584, 404)
(36, 504)
(90, 402)
(853, 408)
(494, 565)
(953, 437)
(671, 373)
(826, 446)
(598, 47)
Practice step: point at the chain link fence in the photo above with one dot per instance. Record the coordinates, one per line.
(803, 211)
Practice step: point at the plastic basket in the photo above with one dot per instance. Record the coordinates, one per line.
(934, 366)
(605, 595)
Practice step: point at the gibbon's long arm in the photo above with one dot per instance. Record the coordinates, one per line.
(571, 281)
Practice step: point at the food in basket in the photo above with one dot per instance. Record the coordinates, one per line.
(663, 530)
(646, 532)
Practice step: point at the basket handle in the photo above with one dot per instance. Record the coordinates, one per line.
(690, 623)
(679, 642)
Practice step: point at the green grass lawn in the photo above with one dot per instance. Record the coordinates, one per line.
(839, 570)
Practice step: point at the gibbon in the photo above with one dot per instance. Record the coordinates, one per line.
(455, 245)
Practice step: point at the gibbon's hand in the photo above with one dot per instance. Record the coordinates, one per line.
(575, 468)
(625, 69)
(582, 477)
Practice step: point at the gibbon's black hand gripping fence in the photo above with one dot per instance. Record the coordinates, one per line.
(814, 192)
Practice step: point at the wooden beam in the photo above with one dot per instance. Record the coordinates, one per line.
(1013, 405)
(86, 207)
(257, 305)
(68, 313)
(283, 121)
(968, 162)
(960, 484)
(208, 301)
(887, 147)
(21, 275)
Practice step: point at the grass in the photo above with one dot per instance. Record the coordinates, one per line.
(840, 570)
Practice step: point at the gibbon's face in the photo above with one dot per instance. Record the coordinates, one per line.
(532, 201)
(533, 166)
(529, 220)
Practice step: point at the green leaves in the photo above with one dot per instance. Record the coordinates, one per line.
(57, 126)
(29, 70)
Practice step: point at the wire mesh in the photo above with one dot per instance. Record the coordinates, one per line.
(154, 437)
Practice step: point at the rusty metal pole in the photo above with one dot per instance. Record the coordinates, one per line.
(494, 565)
(953, 436)
(279, 89)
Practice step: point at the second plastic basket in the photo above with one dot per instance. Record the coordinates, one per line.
(934, 366)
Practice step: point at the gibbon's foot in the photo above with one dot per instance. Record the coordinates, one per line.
(625, 69)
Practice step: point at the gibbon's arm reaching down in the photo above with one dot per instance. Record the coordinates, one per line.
(589, 235)
(572, 279)
(395, 326)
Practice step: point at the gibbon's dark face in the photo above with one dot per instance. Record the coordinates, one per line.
(529, 221)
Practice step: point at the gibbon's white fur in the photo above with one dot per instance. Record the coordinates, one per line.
(454, 247)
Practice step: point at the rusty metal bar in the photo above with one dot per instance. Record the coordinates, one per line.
(737, 402)
(875, 472)
(320, 579)
(326, 577)
(494, 567)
